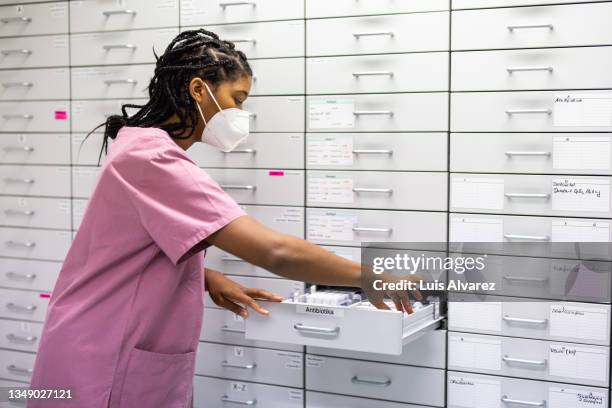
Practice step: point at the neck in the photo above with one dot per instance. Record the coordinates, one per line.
(184, 143)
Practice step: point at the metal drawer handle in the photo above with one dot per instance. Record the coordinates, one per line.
(28, 244)
(121, 81)
(507, 400)
(381, 383)
(18, 308)
(373, 190)
(522, 320)
(527, 237)
(528, 69)
(225, 398)
(238, 187)
(225, 363)
(13, 338)
(16, 20)
(373, 33)
(19, 116)
(28, 149)
(116, 12)
(522, 26)
(232, 259)
(237, 3)
(19, 276)
(528, 195)
(330, 331)
(22, 84)
(18, 180)
(18, 370)
(17, 51)
(251, 151)
(119, 46)
(373, 112)
(371, 229)
(27, 213)
(372, 151)
(373, 73)
(244, 40)
(228, 329)
(527, 153)
(525, 278)
(523, 361)
(528, 111)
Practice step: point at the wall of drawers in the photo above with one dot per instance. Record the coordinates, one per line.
(373, 120)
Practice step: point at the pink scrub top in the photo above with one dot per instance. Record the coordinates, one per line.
(125, 315)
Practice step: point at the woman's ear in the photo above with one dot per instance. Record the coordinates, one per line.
(197, 90)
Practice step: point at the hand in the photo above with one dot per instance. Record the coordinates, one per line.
(399, 297)
(229, 295)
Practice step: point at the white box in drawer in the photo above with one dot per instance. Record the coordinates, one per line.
(276, 113)
(324, 400)
(31, 52)
(16, 365)
(29, 84)
(298, 321)
(284, 287)
(22, 336)
(29, 116)
(35, 180)
(37, 19)
(125, 81)
(469, 4)
(278, 76)
(84, 180)
(89, 114)
(532, 27)
(35, 212)
(23, 305)
(35, 148)
(341, 8)
(86, 151)
(34, 243)
(223, 12)
(27, 274)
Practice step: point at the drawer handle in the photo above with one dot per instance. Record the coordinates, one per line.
(237, 3)
(511, 112)
(528, 195)
(121, 81)
(119, 46)
(244, 40)
(373, 73)
(228, 329)
(19, 276)
(28, 244)
(27, 116)
(373, 33)
(373, 112)
(229, 400)
(524, 26)
(328, 331)
(225, 363)
(527, 237)
(525, 278)
(238, 187)
(16, 20)
(27, 149)
(24, 51)
(18, 180)
(27, 213)
(527, 153)
(507, 400)
(381, 383)
(372, 229)
(116, 12)
(251, 151)
(18, 308)
(528, 69)
(19, 370)
(522, 320)
(373, 190)
(523, 361)
(13, 338)
(232, 259)
(372, 151)
(22, 84)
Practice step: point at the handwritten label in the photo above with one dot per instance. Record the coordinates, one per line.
(575, 398)
(580, 322)
(328, 225)
(582, 152)
(582, 362)
(330, 189)
(581, 195)
(329, 150)
(583, 110)
(473, 392)
(481, 193)
(331, 113)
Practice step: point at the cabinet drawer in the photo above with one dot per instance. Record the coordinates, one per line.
(32, 275)
(261, 40)
(539, 153)
(28, 52)
(266, 187)
(42, 148)
(125, 81)
(378, 34)
(34, 244)
(260, 150)
(472, 390)
(223, 326)
(324, 400)
(579, 196)
(377, 151)
(35, 180)
(37, 19)
(23, 305)
(468, 4)
(84, 180)
(377, 189)
(78, 211)
(34, 117)
(378, 113)
(89, 114)
(231, 265)
(100, 15)
(35, 212)
(532, 27)
(29, 84)
(276, 113)
(250, 364)
(86, 151)
(22, 336)
(552, 68)
(270, 76)
(119, 47)
(283, 287)
(351, 227)
(375, 380)
(341, 8)
(16, 365)
(223, 12)
(529, 112)
(378, 73)
(526, 358)
(217, 393)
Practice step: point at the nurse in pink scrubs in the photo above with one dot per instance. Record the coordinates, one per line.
(125, 316)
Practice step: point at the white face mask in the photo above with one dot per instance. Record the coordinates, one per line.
(227, 128)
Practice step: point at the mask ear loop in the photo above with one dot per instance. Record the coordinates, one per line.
(201, 114)
(213, 97)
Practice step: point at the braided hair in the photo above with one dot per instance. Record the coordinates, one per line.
(193, 53)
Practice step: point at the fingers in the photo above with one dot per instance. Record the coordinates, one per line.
(379, 304)
(233, 307)
(248, 301)
(257, 293)
(406, 302)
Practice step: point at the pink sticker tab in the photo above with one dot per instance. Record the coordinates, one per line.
(276, 173)
(61, 115)
(45, 295)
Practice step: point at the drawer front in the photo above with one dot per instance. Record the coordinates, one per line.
(468, 4)
(341, 8)
(471, 390)
(35, 180)
(16, 365)
(323, 400)
(32, 275)
(23, 305)
(119, 47)
(378, 34)
(580, 196)
(34, 244)
(217, 393)
(377, 151)
(37, 19)
(126, 81)
(532, 359)
(531, 111)
(28, 84)
(377, 73)
(269, 76)
(276, 113)
(28, 52)
(553, 68)
(222, 261)
(35, 212)
(537, 153)
(223, 12)
(22, 336)
(89, 114)
(378, 113)
(39, 148)
(99, 15)
(86, 151)
(78, 211)
(260, 150)
(375, 380)
(261, 40)
(351, 227)
(380, 189)
(531, 27)
(84, 180)
(283, 287)
(35, 117)
(265, 187)
(223, 326)
(250, 364)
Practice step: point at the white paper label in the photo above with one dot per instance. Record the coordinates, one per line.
(583, 110)
(291, 216)
(580, 231)
(330, 189)
(319, 310)
(476, 315)
(582, 153)
(474, 352)
(580, 322)
(330, 226)
(331, 113)
(238, 387)
(581, 194)
(473, 392)
(482, 193)
(588, 363)
(575, 398)
(329, 150)
(291, 360)
(314, 361)
(477, 229)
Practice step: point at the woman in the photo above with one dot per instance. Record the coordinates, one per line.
(125, 315)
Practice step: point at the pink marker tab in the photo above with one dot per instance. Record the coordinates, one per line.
(276, 173)
(45, 295)
(61, 115)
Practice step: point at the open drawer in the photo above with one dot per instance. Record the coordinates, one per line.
(351, 324)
